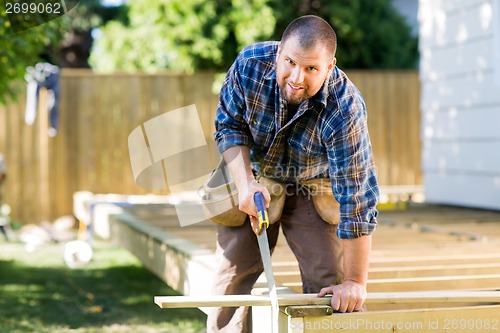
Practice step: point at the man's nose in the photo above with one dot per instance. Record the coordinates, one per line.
(297, 75)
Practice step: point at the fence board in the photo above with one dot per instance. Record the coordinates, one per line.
(97, 113)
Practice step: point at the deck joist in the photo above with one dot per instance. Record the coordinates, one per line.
(422, 250)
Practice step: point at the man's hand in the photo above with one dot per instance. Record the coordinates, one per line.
(246, 191)
(351, 294)
(348, 296)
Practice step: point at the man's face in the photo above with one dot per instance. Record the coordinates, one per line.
(300, 73)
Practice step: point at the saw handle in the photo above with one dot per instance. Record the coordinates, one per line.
(260, 203)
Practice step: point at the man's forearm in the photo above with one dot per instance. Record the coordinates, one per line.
(238, 162)
(357, 259)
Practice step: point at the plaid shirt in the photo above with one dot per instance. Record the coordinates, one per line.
(326, 137)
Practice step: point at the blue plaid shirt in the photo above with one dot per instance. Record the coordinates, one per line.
(326, 137)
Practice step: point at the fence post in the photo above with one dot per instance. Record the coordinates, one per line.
(43, 145)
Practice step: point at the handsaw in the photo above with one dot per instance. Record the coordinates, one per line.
(265, 253)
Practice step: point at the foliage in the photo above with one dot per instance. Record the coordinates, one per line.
(19, 50)
(26, 39)
(371, 34)
(181, 34)
(198, 34)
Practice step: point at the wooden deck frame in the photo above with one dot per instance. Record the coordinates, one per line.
(301, 313)
(443, 297)
(187, 267)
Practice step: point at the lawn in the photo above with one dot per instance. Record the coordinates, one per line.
(113, 293)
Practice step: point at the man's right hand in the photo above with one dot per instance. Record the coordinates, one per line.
(246, 191)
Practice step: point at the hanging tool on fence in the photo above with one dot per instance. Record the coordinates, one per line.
(261, 231)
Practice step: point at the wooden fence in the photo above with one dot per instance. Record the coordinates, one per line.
(98, 112)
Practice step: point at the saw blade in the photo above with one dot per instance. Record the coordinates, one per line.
(268, 271)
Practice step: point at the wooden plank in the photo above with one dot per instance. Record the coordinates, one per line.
(395, 262)
(43, 160)
(456, 240)
(435, 270)
(434, 283)
(444, 297)
(435, 249)
(456, 320)
(386, 273)
(437, 257)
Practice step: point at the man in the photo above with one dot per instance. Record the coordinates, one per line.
(287, 112)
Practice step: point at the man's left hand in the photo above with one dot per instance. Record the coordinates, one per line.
(348, 296)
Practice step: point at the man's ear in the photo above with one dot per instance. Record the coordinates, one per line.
(332, 64)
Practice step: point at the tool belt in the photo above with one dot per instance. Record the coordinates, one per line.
(320, 189)
(220, 200)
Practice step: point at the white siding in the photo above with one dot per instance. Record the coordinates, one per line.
(460, 101)
(464, 190)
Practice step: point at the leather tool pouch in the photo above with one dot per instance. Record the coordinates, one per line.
(220, 200)
(326, 205)
(278, 196)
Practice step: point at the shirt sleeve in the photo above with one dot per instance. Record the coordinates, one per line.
(353, 174)
(231, 128)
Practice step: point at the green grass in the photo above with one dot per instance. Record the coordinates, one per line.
(113, 293)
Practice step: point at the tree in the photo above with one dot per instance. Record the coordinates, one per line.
(371, 34)
(19, 50)
(182, 35)
(73, 49)
(186, 35)
(60, 38)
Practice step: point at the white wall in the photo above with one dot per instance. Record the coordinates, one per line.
(460, 101)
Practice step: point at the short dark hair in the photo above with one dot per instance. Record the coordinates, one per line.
(310, 30)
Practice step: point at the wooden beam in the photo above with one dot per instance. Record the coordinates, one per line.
(44, 158)
(457, 257)
(431, 283)
(292, 274)
(443, 297)
(425, 271)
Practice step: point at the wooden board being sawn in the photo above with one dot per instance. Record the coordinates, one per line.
(442, 297)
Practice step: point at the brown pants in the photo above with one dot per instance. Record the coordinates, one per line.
(313, 241)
